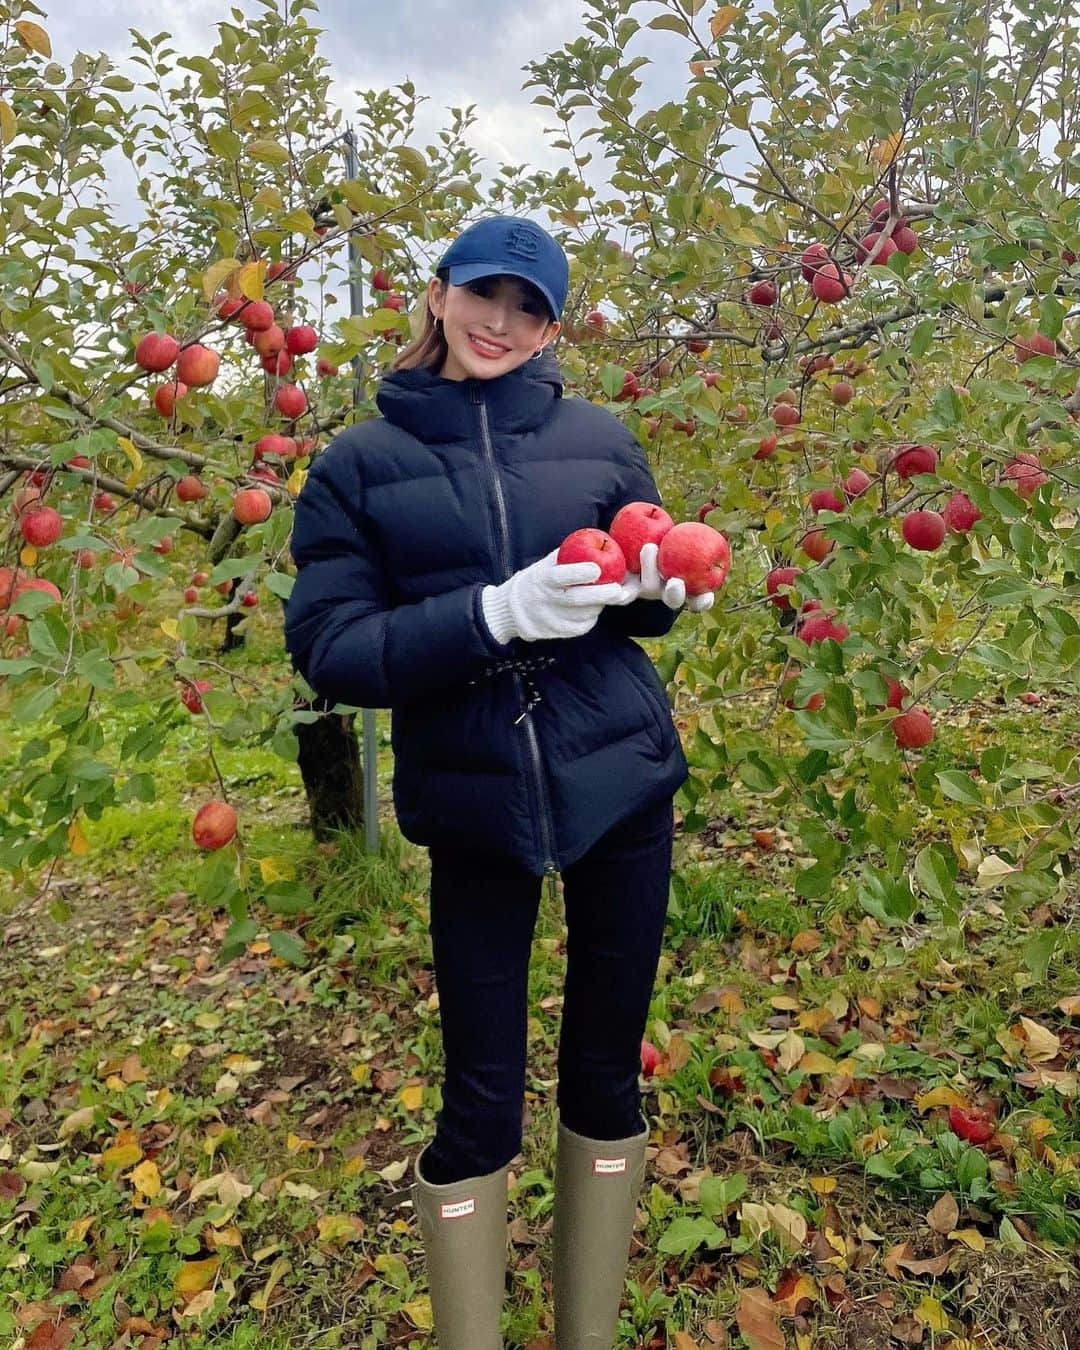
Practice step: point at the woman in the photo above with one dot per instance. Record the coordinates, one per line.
(531, 736)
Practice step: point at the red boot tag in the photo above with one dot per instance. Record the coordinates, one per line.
(607, 1166)
(457, 1209)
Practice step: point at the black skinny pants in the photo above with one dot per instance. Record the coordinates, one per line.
(483, 913)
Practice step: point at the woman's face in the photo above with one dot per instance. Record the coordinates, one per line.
(502, 310)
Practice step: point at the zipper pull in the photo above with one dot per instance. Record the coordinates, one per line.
(550, 873)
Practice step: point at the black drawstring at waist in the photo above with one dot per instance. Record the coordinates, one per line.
(522, 667)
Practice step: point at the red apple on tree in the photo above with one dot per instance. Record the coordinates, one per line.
(190, 697)
(41, 526)
(268, 341)
(856, 483)
(325, 367)
(825, 499)
(913, 729)
(301, 339)
(191, 489)
(257, 316)
(960, 513)
(781, 576)
(290, 400)
(923, 529)
(830, 284)
(766, 447)
(166, 395)
(913, 459)
(762, 293)
(635, 524)
(197, 366)
(380, 281)
(814, 255)
(593, 545)
(816, 544)
(821, 626)
(156, 351)
(214, 824)
(1025, 472)
(252, 505)
(696, 553)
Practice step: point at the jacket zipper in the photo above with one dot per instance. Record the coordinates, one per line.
(547, 833)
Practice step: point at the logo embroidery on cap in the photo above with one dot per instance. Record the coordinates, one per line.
(458, 1209)
(523, 241)
(604, 1166)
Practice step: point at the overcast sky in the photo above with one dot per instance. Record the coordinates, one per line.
(455, 52)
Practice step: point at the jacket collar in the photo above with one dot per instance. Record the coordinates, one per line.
(435, 409)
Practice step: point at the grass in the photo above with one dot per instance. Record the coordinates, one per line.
(273, 1110)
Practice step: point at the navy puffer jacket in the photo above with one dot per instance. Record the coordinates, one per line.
(527, 750)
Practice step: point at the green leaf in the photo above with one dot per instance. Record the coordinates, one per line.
(267, 152)
(670, 23)
(934, 872)
(717, 1194)
(959, 787)
(288, 946)
(1051, 316)
(687, 1235)
(1037, 953)
(279, 584)
(922, 337)
(288, 897)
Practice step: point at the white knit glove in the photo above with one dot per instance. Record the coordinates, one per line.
(648, 584)
(547, 600)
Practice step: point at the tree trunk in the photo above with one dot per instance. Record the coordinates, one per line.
(232, 638)
(332, 769)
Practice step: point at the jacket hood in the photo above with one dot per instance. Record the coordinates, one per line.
(435, 409)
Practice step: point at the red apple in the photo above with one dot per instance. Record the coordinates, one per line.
(301, 339)
(913, 728)
(842, 393)
(277, 363)
(1024, 471)
(856, 483)
(923, 529)
(41, 525)
(214, 824)
(191, 594)
(814, 255)
(190, 697)
(905, 238)
(191, 489)
(650, 1058)
(1038, 344)
(273, 444)
(228, 308)
(593, 545)
(156, 351)
(249, 599)
(697, 553)
(166, 395)
(867, 244)
(830, 284)
(960, 513)
(325, 367)
(257, 316)
(821, 626)
(380, 281)
(913, 459)
(267, 341)
(103, 501)
(784, 415)
(766, 446)
(825, 499)
(197, 365)
(762, 293)
(897, 692)
(635, 524)
(290, 400)
(163, 545)
(781, 576)
(595, 320)
(252, 505)
(816, 544)
(35, 584)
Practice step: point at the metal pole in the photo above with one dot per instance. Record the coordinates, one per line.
(369, 746)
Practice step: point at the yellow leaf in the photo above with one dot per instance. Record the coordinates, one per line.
(419, 1312)
(78, 1230)
(271, 197)
(887, 150)
(939, 1096)
(132, 453)
(360, 1073)
(412, 1096)
(277, 869)
(970, 1237)
(8, 125)
(121, 1155)
(722, 20)
(261, 1297)
(161, 1098)
(34, 37)
(815, 1062)
(28, 555)
(241, 1063)
(217, 274)
(1040, 1127)
(77, 841)
(146, 1178)
(788, 1224)
(334, 1228)
(1041, 1042)
(170, 628)
(353, 1165)
(823, 1185)
(931, 1314)
(195, 1276)
(295, 481)
(250, 279)
(296, 1144)
(790, 1051)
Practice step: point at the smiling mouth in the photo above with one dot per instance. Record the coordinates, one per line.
(492, 348)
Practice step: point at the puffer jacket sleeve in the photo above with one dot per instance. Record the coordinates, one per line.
(345, 636)
(642, 618)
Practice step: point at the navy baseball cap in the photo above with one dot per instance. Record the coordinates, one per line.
(512, 245)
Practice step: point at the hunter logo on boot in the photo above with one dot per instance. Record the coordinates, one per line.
(458, 1209)
(605, 1166)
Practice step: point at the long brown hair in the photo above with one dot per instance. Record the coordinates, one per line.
(428, 346)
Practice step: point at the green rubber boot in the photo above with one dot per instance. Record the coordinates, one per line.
(597, 1182)
(463, 1225)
